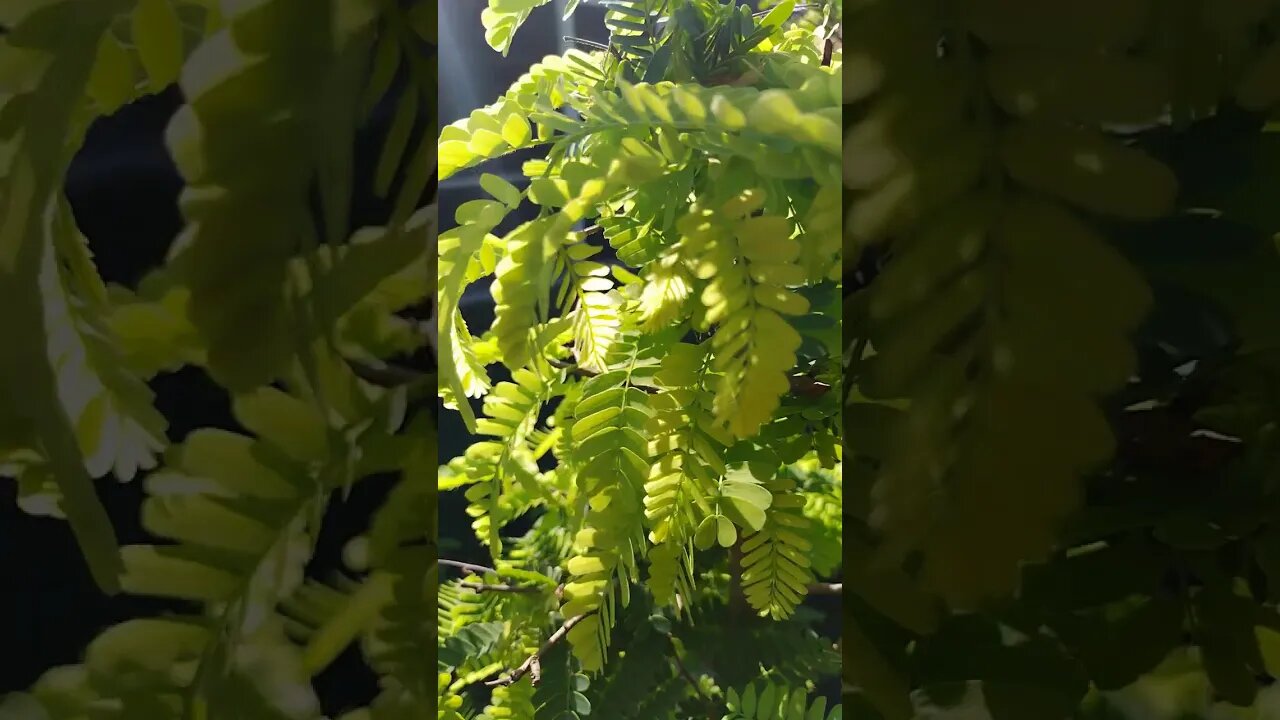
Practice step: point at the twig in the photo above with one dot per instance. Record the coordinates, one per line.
(826, 588)
(514, 676)
(585, 43)
(583, 372)
(736, 598)
(565, 365)
(385, 374)
(803, 7)
(801, 385)
(430, 330)
(499, 587)
(469, 567)
(684, 672)
(492, 587)
(834, 39)
(805, 386)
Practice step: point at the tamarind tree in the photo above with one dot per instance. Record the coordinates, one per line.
(1060, 325)
(656, 481)
(314, 324)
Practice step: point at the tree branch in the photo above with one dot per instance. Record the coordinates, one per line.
(514, 676)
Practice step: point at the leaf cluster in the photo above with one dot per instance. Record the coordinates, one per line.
(668, 320)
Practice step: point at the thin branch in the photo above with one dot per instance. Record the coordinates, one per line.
(469, 567)
(430, 330)
(385, 374)
(571, 367)
(492, 587)
(805, 386)
(826, 588)
(801, 385)
(684, 672)
(499, 587)
(834, 39)
(583, 372)
(514, 676)
(802, 7)
(737, 601)
(585, 43)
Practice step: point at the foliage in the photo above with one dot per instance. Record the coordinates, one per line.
(666, 452)
(773, 702)
(272, 292)
(1060, 339)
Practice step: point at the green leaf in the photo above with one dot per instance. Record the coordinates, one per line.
(175, 572)
(504, 191)
(706, 535)
(146, 643)
(1266, 550)
(1269, 646)
(157, 33)
(514, 6)
(749, 500)
(516, 130)
(397, 140)
(656, 69)
(21, 706)
(779, 14)
(290, 424)
(748, 702)
(1116, 653)
(1229, 645)
(25, 247)
(891, 592)
(767, 703)
(112, 83)
(1028, 677)
(725, 534)
(774, 111)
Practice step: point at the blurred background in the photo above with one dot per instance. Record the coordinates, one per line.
(123, 189)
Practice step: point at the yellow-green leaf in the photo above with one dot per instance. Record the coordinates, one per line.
(157, 34)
